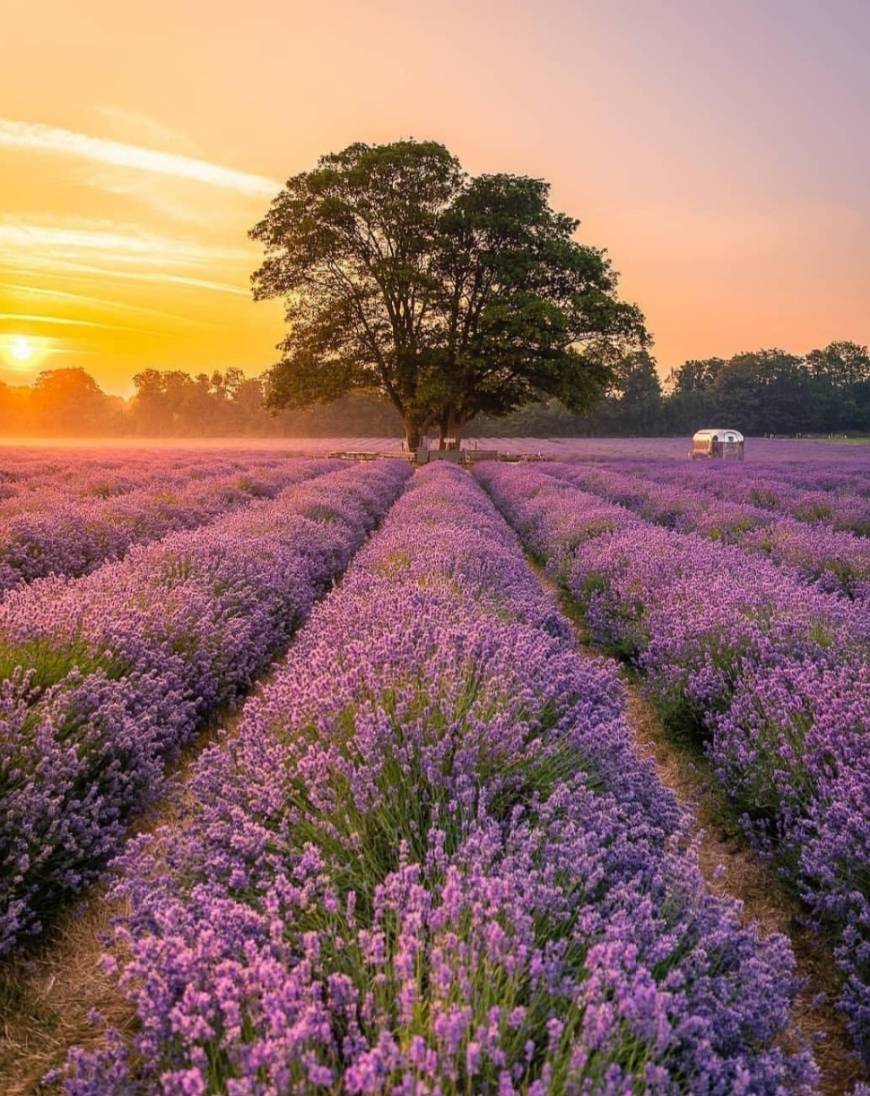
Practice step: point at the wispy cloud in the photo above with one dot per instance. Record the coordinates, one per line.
(112, 243)
(40, 138)
(171, 200)
(66, 321)
(134, 127)
(16, 289)
(64, 269)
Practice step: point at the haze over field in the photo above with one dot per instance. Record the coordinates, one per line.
(713, 149)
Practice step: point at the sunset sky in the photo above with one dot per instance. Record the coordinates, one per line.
(717, 149)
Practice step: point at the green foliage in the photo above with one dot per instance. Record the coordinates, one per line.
(770, 391)
(767, 391)
(449, 295)
(51, 660)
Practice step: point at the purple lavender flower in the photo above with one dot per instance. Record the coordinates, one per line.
(429, 860)
(105, 677)
(69, 535)
(769, 673)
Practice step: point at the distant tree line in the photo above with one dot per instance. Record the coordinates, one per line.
(172, 403)
(770, 391)
(762, 392)
(759, 392)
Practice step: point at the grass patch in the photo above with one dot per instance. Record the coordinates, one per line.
(51, 660)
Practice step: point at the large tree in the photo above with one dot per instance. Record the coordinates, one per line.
(447, 294)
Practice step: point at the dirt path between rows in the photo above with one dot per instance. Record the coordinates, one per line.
(47, 999)
(732, 869)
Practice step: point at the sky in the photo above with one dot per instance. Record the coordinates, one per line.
(716, 148)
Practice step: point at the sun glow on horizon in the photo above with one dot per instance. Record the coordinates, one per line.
(21, 349)
(108, 258)
(23, 353)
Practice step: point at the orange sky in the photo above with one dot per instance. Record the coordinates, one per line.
(716, 148)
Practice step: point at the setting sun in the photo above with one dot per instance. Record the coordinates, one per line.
(22, 354)
(21, 349)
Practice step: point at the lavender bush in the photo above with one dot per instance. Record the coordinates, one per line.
(837, 562)
(75, 536)
(103, 678)
(794, 751)
(771, 675)
(818, 494)
(38, 479)
(429, 861)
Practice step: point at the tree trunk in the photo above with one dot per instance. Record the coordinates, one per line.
(413, 435)
(443, 427)
(450, 428)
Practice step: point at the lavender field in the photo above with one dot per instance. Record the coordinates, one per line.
(345, 762)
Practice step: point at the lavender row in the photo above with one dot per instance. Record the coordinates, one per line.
(845, 477)
(813, 498)
(29, 479)
(104, 678)
(816, 468)
(31, 484)
(76, 536)
(429, 861)
(836, 562)
(837, 478)
(772, 676)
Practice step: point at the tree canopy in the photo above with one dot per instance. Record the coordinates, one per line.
(450, 295)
